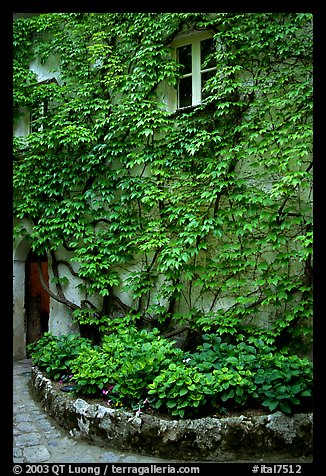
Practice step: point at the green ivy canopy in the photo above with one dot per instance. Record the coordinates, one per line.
(203, 216)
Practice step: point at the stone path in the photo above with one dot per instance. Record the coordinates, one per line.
(37, 438)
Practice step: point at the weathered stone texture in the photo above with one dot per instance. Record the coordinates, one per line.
(204, 439)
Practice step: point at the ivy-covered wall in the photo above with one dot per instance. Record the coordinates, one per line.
(197, 220)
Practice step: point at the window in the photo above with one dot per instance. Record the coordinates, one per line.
(194, 54)
(38, 112)
(36, 116)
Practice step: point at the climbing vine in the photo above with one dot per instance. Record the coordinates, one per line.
(203, 216)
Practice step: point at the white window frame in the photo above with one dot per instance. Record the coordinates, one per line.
(194, 40)
(41, 110)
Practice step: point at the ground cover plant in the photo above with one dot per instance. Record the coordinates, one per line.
(135, 370)
(194, 224)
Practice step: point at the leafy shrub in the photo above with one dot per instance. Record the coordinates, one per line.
(284, 382)
(56, 354)
(181, 389)
(221, 374)
(127, 362)
(92, 371)
(131, 365)
(186, 390)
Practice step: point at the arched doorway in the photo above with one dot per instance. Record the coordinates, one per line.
(37, 300)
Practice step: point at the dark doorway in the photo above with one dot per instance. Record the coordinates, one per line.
(37, 301)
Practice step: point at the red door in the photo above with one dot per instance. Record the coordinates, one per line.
(37, 301)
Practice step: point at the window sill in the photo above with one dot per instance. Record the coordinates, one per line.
(182, 110)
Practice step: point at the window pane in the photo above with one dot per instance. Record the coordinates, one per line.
(207, 48)
(185, 92)
(204, 78)
(184, 58)
(35, 118)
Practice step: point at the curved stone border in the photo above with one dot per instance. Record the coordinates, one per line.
(204, 439)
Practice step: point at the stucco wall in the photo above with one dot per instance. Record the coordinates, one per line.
(19, 334)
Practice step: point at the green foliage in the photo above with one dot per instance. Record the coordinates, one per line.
(131, 367)
(220, 376)
(128, 360)
(92, 370)
(178, 389)
(207, 213)
(56, 354)
(286, 383)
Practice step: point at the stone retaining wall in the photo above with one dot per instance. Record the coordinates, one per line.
(204, 439)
